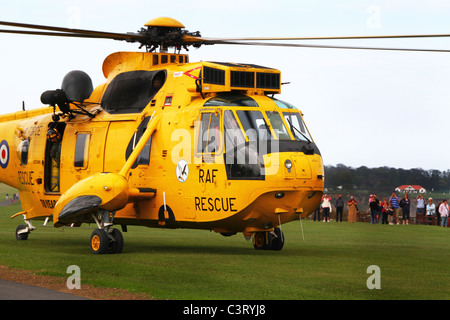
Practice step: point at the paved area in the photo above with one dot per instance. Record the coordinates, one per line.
(10, 290)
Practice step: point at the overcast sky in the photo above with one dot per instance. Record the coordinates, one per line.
(371, 108)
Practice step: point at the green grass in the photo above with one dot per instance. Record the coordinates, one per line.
(193, 264)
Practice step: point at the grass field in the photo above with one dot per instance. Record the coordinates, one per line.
(331, 263)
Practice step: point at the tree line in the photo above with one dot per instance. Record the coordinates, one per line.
(384, 179)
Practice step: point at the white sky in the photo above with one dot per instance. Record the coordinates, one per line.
(371, 108)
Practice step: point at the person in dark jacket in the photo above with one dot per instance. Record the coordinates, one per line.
(373, 205)
(405, 204)
(339, 208)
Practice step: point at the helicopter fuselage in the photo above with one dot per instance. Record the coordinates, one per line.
(224, 156)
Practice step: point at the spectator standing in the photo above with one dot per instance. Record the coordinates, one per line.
(352, 209)
(431, 210)
(384, 211)
(326, 207)
(339, 208)
(438, 215)
(405, 205)
(420, 211)
(373, 205)
(443, 210)
(395, 206)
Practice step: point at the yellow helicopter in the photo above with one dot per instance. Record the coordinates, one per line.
(164, 143)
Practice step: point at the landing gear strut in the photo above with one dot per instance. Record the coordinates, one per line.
(105, 239)
(272, 240)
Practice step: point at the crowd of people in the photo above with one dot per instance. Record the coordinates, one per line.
(391, 210)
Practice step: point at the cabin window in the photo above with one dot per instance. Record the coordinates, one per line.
(22, 151)
(81, 150)
(144, 157)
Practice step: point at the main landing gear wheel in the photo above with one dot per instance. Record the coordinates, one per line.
(273, 240)
(106, 242)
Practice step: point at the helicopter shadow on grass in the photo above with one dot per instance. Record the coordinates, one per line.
(226, 248)
(66, 241)
(214, 249)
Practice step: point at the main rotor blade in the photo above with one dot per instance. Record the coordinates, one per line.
(57, 34)
(100, 34)
(320, 46)
(330, 38)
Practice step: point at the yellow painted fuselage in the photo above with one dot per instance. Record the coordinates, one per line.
(223, 155)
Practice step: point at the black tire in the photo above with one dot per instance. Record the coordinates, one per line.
(262, 241)
(100, 242)
(21, 236)
(278, 239)
(117, 244)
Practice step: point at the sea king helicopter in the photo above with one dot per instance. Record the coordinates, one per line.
(164, 143)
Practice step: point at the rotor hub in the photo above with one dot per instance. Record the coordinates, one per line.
(164, 22)
(166, 32)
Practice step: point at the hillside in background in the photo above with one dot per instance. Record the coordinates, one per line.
(384, 179)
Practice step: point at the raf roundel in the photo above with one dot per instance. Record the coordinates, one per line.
(4, 154)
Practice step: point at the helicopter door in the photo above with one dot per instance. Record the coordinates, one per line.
(52, 161)
(82, 152)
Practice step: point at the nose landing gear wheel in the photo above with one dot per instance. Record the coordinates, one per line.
(21, 233)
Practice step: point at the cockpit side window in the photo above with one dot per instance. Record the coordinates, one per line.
(254, 125)
(233, 132)
(297, 126)
(242, 160)
(278, 126)
(209, 137)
